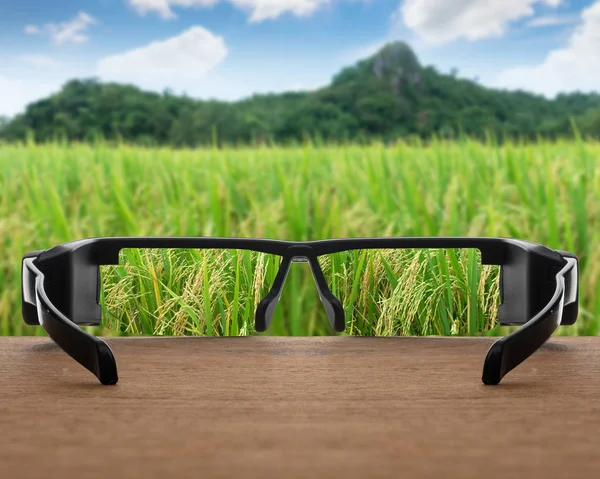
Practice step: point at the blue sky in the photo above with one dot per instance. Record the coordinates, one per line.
(230, 49)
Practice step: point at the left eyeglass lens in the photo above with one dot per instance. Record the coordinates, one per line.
(201, 292)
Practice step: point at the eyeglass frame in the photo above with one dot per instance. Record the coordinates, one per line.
(539, 288)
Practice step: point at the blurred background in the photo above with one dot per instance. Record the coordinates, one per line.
(299, 120)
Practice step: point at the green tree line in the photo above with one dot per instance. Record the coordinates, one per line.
(387, 96)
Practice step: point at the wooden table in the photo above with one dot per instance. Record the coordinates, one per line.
(300, 407)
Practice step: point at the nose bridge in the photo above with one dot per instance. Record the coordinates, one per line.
(301, 259)
(300, 254)
(299, 250)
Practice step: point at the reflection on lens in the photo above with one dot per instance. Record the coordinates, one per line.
(186, 291)
(393, 292)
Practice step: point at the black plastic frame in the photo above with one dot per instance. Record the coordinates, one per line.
(61, 288)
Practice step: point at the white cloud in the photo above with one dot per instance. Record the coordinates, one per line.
(32, 30)
(40, 61)
(19, 92)
(573, 67)
(178, 60)
(259, 9)
(441, 21)
(72, 31)
(552, 20)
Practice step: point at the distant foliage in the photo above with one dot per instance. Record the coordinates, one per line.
(385, 97)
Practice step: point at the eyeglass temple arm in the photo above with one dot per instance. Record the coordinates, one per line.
(510, 351)
(28, 302)
(89, 351)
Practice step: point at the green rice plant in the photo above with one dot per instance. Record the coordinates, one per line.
(185, 291)
(546, 192)
(392, 292)
(216, 292)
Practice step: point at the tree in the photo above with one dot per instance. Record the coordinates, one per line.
(386, 96)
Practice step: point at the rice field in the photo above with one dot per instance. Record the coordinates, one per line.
(546, 192)
(383, 292)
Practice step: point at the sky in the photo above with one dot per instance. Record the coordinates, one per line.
(230, 49)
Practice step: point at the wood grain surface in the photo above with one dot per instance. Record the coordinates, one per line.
(271, 407)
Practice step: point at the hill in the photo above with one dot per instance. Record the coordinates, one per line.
(386, 96)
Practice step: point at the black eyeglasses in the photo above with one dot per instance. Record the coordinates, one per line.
(365, 284)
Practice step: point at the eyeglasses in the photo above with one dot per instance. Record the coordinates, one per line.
(369, 286)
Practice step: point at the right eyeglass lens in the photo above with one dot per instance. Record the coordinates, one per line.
(177, 291)
(398, 292)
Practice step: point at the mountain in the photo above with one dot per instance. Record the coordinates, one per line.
(387, 96)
